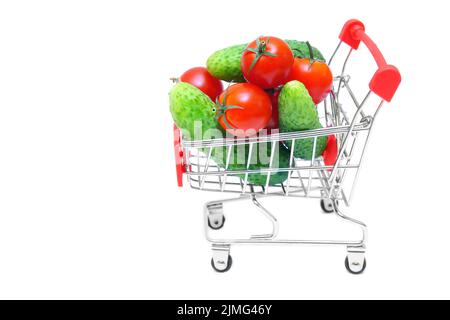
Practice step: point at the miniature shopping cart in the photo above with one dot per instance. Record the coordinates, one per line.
(343, 116)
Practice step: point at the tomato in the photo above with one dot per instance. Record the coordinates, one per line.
(315, 75)
(267, 62)
(200, 77)
(244, 109)
(330, 154)
(273, 123)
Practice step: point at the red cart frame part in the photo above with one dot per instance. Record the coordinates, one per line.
(179, 157)
(387, 78)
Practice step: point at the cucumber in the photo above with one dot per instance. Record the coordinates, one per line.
(296, 109)
(304, 147)
(300, 50)
(297, 112)
(193, 112)
(260, 159)
(225, 64)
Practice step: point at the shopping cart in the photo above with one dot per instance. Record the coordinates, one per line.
(343, 116)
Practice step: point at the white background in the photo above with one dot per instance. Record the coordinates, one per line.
(89, 206)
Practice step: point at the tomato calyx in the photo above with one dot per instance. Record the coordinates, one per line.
(311, 55)
(260, 51)
(222, 108)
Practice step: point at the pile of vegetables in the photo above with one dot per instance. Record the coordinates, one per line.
(273, 84)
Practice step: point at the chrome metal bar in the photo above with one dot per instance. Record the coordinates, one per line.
(352, 95)
(275, 138)
(271, 240)
(313, 157)
(325, 111)
(348, 158)
(227, 163)
(273, 170)
(239, 184)
(291, 164)
(301, 182)
(250, 151)
(272, 154)
(351, 220)
(270, 217)
(206, 167)
(363, 153)
(346, 140)
(186, 153)
(334, 53)
(343, 72)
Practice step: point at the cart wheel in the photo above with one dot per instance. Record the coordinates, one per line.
(220, 269)
(327, 205)
(216, 222)
(355, 267)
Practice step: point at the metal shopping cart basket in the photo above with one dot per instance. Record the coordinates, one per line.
(343, 116)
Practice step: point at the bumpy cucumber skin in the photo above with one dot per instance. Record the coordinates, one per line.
(300, 50)
(225, 64)
(188, 105)
(297, 112)
(260, 159)
(296, 109)
(304, 148)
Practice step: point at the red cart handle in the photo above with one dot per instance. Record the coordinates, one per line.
(387, 78)
(179, 159)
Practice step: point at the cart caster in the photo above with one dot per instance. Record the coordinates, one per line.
(219, 267)
(355, 262)
(216, 218)
(327, 205)
(221, 260)
(216, 221)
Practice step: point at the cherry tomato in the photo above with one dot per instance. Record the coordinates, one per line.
(273, 123)
(330, 153)
(267, 62)
(244, 109)
(315, 75)
(200, 77)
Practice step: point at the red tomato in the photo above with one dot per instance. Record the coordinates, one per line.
(315, 75)
(330, 154)
(273, 123)
(244, 109)
(267, 62)
(200, 77)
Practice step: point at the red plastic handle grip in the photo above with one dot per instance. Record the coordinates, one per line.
(387, 78)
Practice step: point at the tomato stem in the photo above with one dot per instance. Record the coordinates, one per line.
(222, 110)
(311, 54)
(259, 51)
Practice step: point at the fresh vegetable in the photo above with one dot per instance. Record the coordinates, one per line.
(200, 77)
(260, 159)
(267, 62)
(296, 109)
(225, 64)
(274, 122)
(315, 75)
(192, 111)
(331, 152)
(304, 147)
(300, 50)
(297, 112)
(243, 109)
